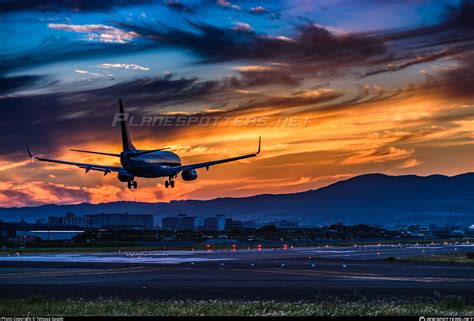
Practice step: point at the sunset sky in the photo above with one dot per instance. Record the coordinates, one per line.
(370, 86)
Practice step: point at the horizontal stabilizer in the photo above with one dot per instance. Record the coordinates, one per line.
(136, 153)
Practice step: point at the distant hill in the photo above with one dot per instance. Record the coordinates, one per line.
(371, 198)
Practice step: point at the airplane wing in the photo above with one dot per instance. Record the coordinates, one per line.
(88, 167)
(175, 170)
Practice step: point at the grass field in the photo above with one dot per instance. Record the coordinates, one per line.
(451, 305)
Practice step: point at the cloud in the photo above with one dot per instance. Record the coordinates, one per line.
(11, 84)
(10, 166)
(11, 6)
(93, 74)
(227, 4)
(242, 26)
(385, 154)
(410, 163)
(258, 10)
(124, 66)
(101, 33)
(311, 45)
(258, 76)
(178, 6)
(419, 59)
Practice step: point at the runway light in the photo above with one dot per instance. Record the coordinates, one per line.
(344, 266)
(313, 265)
(283, 265)
(252, 264)
(285, 247)
(259, 247)
(222, 264)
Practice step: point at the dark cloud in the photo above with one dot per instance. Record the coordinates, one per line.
(312, 51)
(453, 35)
(11, 84)
(417, 60)
(55, 116)
(178, 6)
(9, 6)
(455, 81)
(311, 44)
(258, 76)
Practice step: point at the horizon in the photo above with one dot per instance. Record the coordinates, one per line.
(335, 89)
(230, 197)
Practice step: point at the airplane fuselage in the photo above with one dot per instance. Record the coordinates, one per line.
(149, 165)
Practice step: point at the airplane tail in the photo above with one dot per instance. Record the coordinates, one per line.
(126, 140)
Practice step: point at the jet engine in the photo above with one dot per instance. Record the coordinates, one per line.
(125, 177)
(189, 175)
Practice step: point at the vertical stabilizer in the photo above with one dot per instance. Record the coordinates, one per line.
(126, 140)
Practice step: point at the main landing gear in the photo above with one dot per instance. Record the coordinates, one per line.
(170, 182)
(133, 184)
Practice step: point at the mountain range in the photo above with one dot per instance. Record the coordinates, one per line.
(370, 199)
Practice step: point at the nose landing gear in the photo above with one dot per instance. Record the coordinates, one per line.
(132, 184)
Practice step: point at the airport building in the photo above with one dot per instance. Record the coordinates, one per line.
(117, 221)
(216, 223)
(120, 221)
(68, 220)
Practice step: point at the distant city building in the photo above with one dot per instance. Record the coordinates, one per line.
(68, 220)
(231, 224)
(181, 222)
(216, 223)
(169, 223)
(120, 221)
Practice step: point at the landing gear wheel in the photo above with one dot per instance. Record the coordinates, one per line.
(172, 184)
(130, 185)
(167, 184)
(135, 184)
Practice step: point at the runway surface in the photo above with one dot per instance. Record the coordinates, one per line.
(292, 274)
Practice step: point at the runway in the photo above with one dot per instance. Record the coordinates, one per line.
(291, 274)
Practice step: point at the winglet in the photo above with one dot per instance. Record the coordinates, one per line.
(28, 150)
(259, 143)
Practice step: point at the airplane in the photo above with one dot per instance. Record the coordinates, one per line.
(153, 163)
